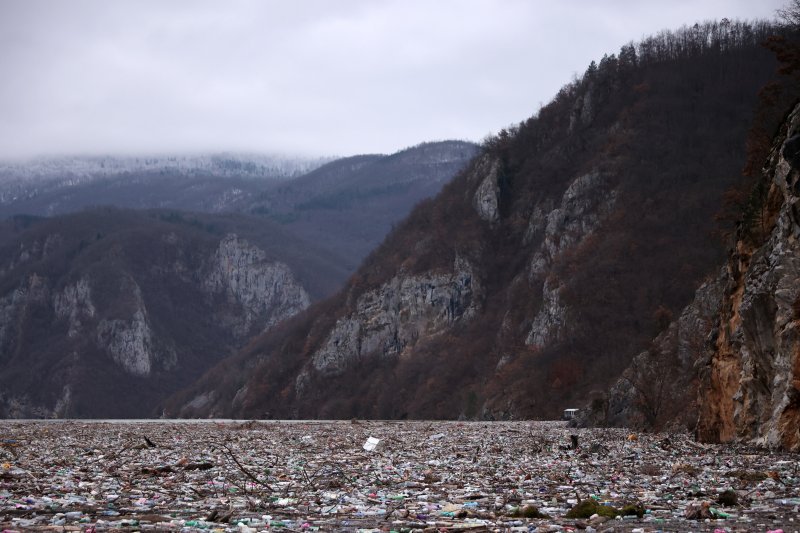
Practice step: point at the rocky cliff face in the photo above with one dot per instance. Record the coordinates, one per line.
(560, 228)
(583, 206)
(265, 291)
(122, 316)
(750, 386)
(129, 341)
(486, 198)
(388, 321)
(74, 304)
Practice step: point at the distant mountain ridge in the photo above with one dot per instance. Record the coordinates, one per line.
(56, 185)
(105, 311)
(346, 205)
(222, 164)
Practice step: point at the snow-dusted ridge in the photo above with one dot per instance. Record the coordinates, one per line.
(223, 164)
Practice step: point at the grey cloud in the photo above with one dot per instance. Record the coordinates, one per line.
(306, 76)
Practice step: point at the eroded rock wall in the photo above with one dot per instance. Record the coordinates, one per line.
(264, 292)
(391, 319)
(561, 227)
(750, 385)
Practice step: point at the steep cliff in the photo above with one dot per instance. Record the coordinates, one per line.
(108, 322)
(263, 292)
(541, 270)
(750, 380)
(388, 321)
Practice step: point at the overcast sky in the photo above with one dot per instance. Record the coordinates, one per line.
(315, 77)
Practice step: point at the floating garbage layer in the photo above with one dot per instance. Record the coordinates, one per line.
(400, 476)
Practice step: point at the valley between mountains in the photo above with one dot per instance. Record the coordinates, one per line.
(630, 249)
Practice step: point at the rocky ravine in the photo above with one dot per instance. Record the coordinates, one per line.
(750, 387)
(147, 324)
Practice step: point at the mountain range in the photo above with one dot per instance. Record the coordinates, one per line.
(531, 282)
(629, 249)
(105, 311)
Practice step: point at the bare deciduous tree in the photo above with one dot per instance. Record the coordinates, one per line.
(790, 14)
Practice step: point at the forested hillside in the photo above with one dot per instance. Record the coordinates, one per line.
(348, 205)
(59, 185)
(535, 276)
(727, 366)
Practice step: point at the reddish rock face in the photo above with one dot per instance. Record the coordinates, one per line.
(750, 388)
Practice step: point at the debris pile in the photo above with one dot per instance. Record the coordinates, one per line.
(391, 476)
